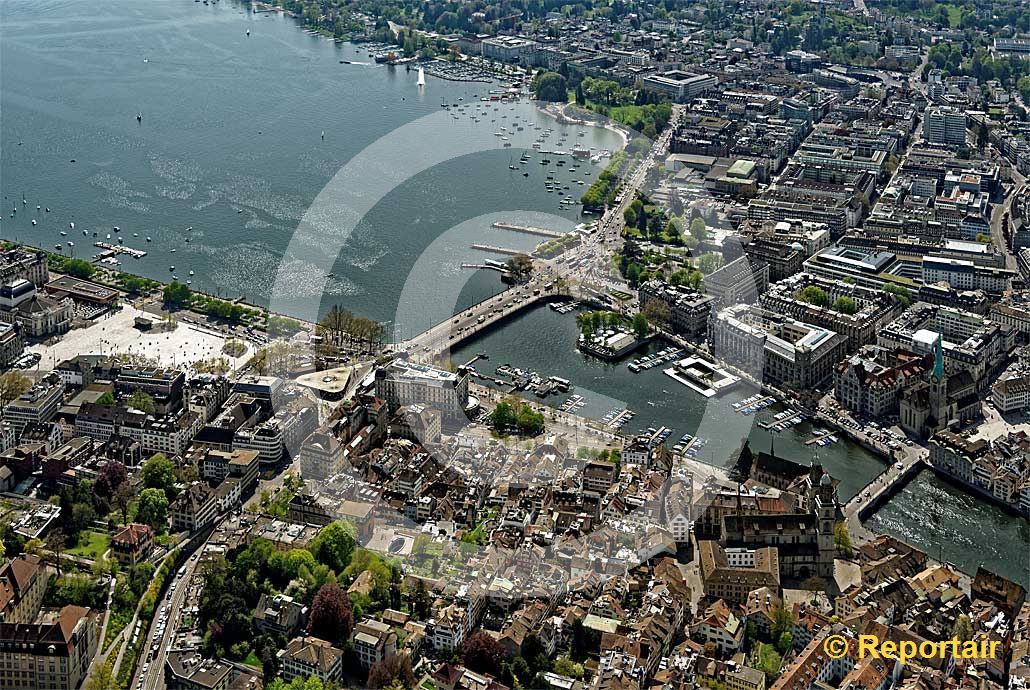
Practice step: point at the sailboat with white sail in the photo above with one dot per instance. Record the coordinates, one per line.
(421, 77)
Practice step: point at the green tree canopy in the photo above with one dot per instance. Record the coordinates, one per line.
(158, 473)
(845, 305)
(177, 294)
(142, 401)
(813, 294)
(551, 86)
(152, 508)
(334, 545)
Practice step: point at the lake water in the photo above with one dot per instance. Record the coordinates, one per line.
(231, 145)
(543, 340)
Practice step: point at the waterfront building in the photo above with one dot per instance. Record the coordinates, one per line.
(402, 382)
(36, 315)
(786, 351)
(509, 49)
(92, 297)
(608, 343)
(19, 263)
(689, 310)
(997, 468)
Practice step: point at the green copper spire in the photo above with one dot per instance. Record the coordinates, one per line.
(938, 359)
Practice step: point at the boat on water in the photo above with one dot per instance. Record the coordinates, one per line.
(421, 77)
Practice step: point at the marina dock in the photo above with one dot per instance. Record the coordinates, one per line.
(120, 249)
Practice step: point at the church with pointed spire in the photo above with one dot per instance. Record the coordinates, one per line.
(942, 400)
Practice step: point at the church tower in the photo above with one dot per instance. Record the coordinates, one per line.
(827, 513)
(938, 389)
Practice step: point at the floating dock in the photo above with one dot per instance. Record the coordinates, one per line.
(121, 249)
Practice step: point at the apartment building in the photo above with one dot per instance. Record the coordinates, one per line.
(23, 582)
(872, 308)
(53, 654)
(310, 656)
(689, 310)
(373, 641)
(943, 124)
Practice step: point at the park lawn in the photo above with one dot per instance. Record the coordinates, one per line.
(628, 115)
(252, 660)
(954, 15)
(91, 545)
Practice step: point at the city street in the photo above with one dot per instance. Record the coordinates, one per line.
(149, 674)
